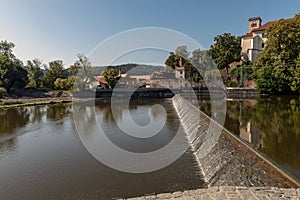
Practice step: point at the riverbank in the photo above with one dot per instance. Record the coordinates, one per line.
(18, 102)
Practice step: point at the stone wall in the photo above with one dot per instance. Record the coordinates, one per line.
(223, 158)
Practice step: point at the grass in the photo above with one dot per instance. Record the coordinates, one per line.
(20, 103)
(8, 103)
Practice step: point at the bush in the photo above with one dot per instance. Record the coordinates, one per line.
(3, 92)
(231, 83)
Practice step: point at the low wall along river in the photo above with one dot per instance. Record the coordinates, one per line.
(223, 158)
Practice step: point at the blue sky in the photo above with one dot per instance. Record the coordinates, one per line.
(60, 29)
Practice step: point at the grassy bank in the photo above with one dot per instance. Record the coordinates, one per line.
(6, 103)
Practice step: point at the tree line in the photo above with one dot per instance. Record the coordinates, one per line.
(277, 69)
(34, 74)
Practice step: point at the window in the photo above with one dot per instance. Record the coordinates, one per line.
(254, 24)
(180, 72)
(262, 45)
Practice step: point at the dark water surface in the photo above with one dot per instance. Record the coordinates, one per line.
(41, 156)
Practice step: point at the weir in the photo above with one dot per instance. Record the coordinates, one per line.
(225, 159)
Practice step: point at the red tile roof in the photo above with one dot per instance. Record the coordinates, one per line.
(248, 35)
(265, 26)
(262, 28)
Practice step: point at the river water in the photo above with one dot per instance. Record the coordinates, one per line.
(42, 157)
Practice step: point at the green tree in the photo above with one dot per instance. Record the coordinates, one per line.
(111, 76)
(53, 72)
(35, 73)
(64, 83)
(12, 74)
(171, 60)
(280, 58)
(225, 50)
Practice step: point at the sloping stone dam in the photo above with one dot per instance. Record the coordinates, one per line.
(223, 158)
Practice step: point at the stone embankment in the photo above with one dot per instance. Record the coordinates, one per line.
(230, 192)
(224, 158)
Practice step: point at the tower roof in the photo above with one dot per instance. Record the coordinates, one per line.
(254, 18)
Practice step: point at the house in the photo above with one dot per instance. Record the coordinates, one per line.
(175, 79)
(253, 43)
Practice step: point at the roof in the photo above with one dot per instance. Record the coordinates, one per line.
(163, 75)
(265, 26)
(248, 35)
(261, 28)
(254, 18)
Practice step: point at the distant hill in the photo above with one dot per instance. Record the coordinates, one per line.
(132, 69)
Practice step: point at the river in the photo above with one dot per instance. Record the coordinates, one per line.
(42, 157)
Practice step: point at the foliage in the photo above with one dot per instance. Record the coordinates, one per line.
(277, 69)
(35, 73)
(111, 76)
(53, 72)
(225, 50)
(245, 70)
(64, 83)
(12, 75)
(84, 72)
(8, 103)
(3, 92)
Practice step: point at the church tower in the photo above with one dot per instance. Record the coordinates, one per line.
(254, 23)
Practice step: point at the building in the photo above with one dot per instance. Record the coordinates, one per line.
(253, 43)
(175, 79)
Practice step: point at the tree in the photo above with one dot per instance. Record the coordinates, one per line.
(111, 76)
(171, 60)
(225, 50)
(83, 71)
(35, 73)
(182, 51)
(53, 72)
(12, 74)
(280, 58)
(64, 83)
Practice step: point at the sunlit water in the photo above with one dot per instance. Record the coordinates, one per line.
(41, 156)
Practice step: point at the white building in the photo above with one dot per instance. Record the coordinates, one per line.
(253, 43)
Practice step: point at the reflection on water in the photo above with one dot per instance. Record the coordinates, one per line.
(41, 156)
(270, 124)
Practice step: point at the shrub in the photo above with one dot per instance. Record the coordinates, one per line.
(3, 92)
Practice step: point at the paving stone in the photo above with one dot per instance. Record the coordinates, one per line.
(234, 198)
(212, 189)
(200, 191)
(189, 193)
(231, 193)
(206, 196)
(150, 197)
(289, 192)
(164, 196)
(186, 198)
(176, 194)
(227, 188)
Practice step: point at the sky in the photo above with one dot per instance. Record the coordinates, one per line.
(60, 29)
